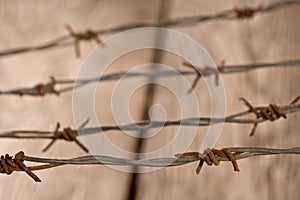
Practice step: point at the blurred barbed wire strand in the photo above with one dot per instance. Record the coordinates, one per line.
(235, 13)
(42, 89)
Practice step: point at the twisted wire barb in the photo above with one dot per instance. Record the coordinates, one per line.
(67, 134)
(9, 164)
(235, 13)
(42, 89)
(213, 156)
(87, 36)
(272, 112)
(221, 68)
(267, 113)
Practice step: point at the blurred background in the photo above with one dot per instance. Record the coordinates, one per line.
(267, 37)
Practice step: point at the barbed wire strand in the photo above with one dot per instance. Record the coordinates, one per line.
(9, 164)
(235, 13)
(42, 89)
(271, 113)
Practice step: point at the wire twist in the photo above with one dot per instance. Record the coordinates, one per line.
(88, 35)
(246, 12)
(210, 157)
(43, 89)
(67, 134)
(9, 164)
(271, 112)
(206, 71)
(39, 89)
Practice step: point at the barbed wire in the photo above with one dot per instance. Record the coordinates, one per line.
(235, 13)
(42, 89)
(9, 164)
(271, 112)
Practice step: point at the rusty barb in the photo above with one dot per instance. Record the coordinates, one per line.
(39, 89)
(271, 112)
(206, 71)
(67, 134)
(43, 89)
(9, 164)
(246, 12)
(212, 157)
(88, 35)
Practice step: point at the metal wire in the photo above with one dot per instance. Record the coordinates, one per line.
(160, 162)
(49, 87)
(236, 153)
(142, 125)
(235, 13)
